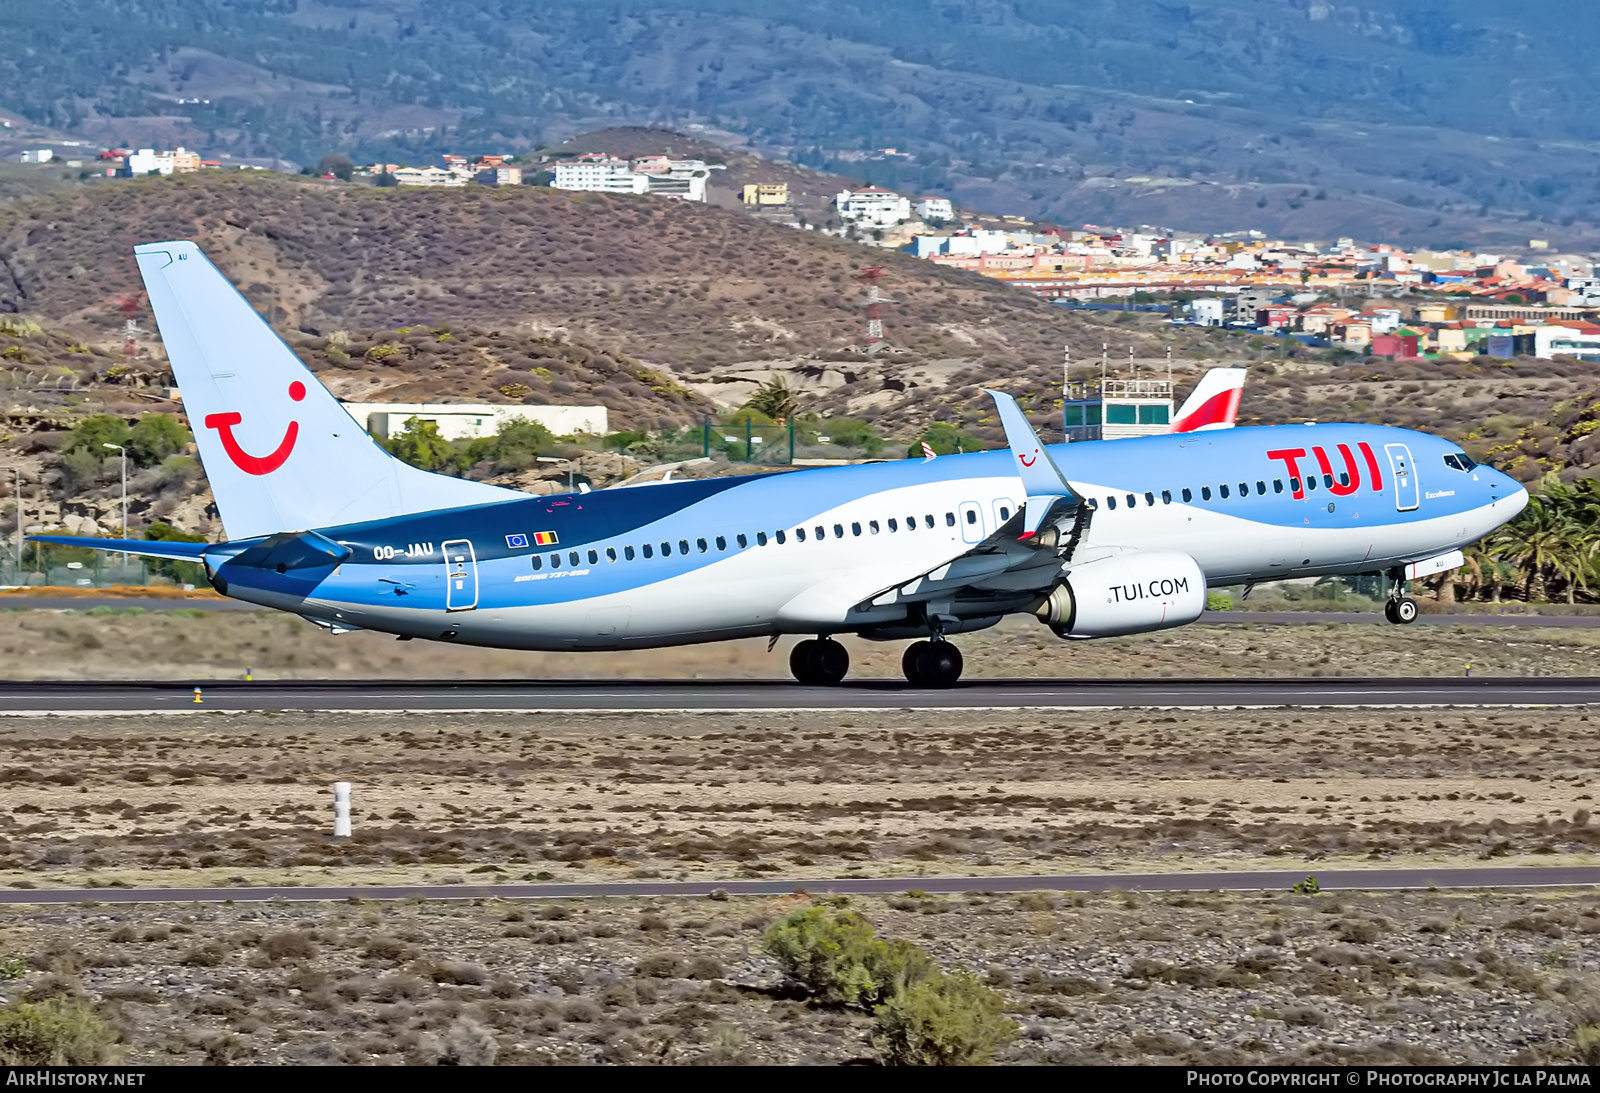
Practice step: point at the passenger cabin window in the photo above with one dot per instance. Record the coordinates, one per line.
(573, 558)
(928, 518)
(949, 519)
(1005, 514)
(611, 554)
(1149, 498)
(627, 553)
(1205, 493)
(1188, 495)
(1277, 485)
(911, 523)
(1091, 504)
(683, 546)
(701, 543)
(778, 535)
(666, 550)
(855, 528)
(1294, 485)
(722, 543)
(1327, 480)
(799, 535)
(594, 557)
(822, 532)
(647, 551)
(538, 562)
(761, 538)
(1166, 497)
(1132, 501)
(555, 561)
(1244, 489)
(741, 540)
(1111, 502)
(1344, 478)
(894, 525)
(1224, 490)
(872, 525)
(1261, 487)
(1311, 481)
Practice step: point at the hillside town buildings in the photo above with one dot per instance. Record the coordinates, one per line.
(662, 176)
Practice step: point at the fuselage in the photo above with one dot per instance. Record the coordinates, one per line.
(806, 551)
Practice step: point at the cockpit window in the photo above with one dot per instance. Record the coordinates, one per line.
(1461, 461)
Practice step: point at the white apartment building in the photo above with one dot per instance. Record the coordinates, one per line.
(41, 155)
(596, 175)
(1550, 341)
(873, 207)
(933, 208)
(145, 160)
(685, 179)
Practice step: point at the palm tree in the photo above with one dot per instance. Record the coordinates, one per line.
(774, 399)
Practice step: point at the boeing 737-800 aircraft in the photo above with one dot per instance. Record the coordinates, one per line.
(1097, 539)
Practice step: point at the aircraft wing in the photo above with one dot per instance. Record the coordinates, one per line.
(1014, 565)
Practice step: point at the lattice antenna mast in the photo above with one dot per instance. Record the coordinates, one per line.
(875, 301)
(129, 306)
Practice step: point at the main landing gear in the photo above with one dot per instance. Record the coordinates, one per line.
(819, 662)
(934, 663)
(1401, 609)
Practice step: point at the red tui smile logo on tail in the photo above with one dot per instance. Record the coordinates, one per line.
(256, 464)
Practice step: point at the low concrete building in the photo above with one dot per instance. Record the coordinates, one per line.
(468, 421)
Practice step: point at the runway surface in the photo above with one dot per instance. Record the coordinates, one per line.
(740, 695)
(122, 603)
(1364, 880)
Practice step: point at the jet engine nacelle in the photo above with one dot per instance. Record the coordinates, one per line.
(1127, 594)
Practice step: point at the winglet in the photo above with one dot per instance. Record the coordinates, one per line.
(1042, 480)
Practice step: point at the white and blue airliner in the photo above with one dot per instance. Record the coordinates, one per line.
(1094, 539)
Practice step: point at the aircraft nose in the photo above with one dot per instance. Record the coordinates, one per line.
(1516, 497)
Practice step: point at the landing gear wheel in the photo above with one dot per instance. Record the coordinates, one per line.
(1388, 612)
(1405, 611)
(939, 665)
(819, 662)
(908, 662)
(802, 659)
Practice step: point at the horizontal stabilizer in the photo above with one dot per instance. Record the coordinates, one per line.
(147, 548)
(292, 550)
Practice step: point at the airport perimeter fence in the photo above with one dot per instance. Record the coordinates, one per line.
(101, 570)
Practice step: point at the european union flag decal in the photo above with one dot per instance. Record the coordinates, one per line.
(514, 541)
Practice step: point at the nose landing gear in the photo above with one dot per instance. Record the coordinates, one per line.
(931, 663)
(819, 662)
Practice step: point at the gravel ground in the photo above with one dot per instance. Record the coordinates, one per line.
(1203, 978)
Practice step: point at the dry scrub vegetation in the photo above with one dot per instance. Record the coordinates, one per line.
(128, 643)
(1112, 978)
(244, 798)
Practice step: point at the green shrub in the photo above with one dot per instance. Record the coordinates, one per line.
(897, 966)
(832, 956)
(1586, 1044)
(56, 1032)
(1219, 601)
(946, 1020)
(851, 433)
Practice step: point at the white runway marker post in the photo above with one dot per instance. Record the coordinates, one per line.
(341, 810)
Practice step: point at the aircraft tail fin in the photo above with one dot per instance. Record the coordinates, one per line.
(279, 450)
(1214, 402)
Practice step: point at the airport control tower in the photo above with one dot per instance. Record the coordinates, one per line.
(1111, 409)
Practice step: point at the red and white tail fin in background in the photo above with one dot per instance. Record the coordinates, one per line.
(1214, 402)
